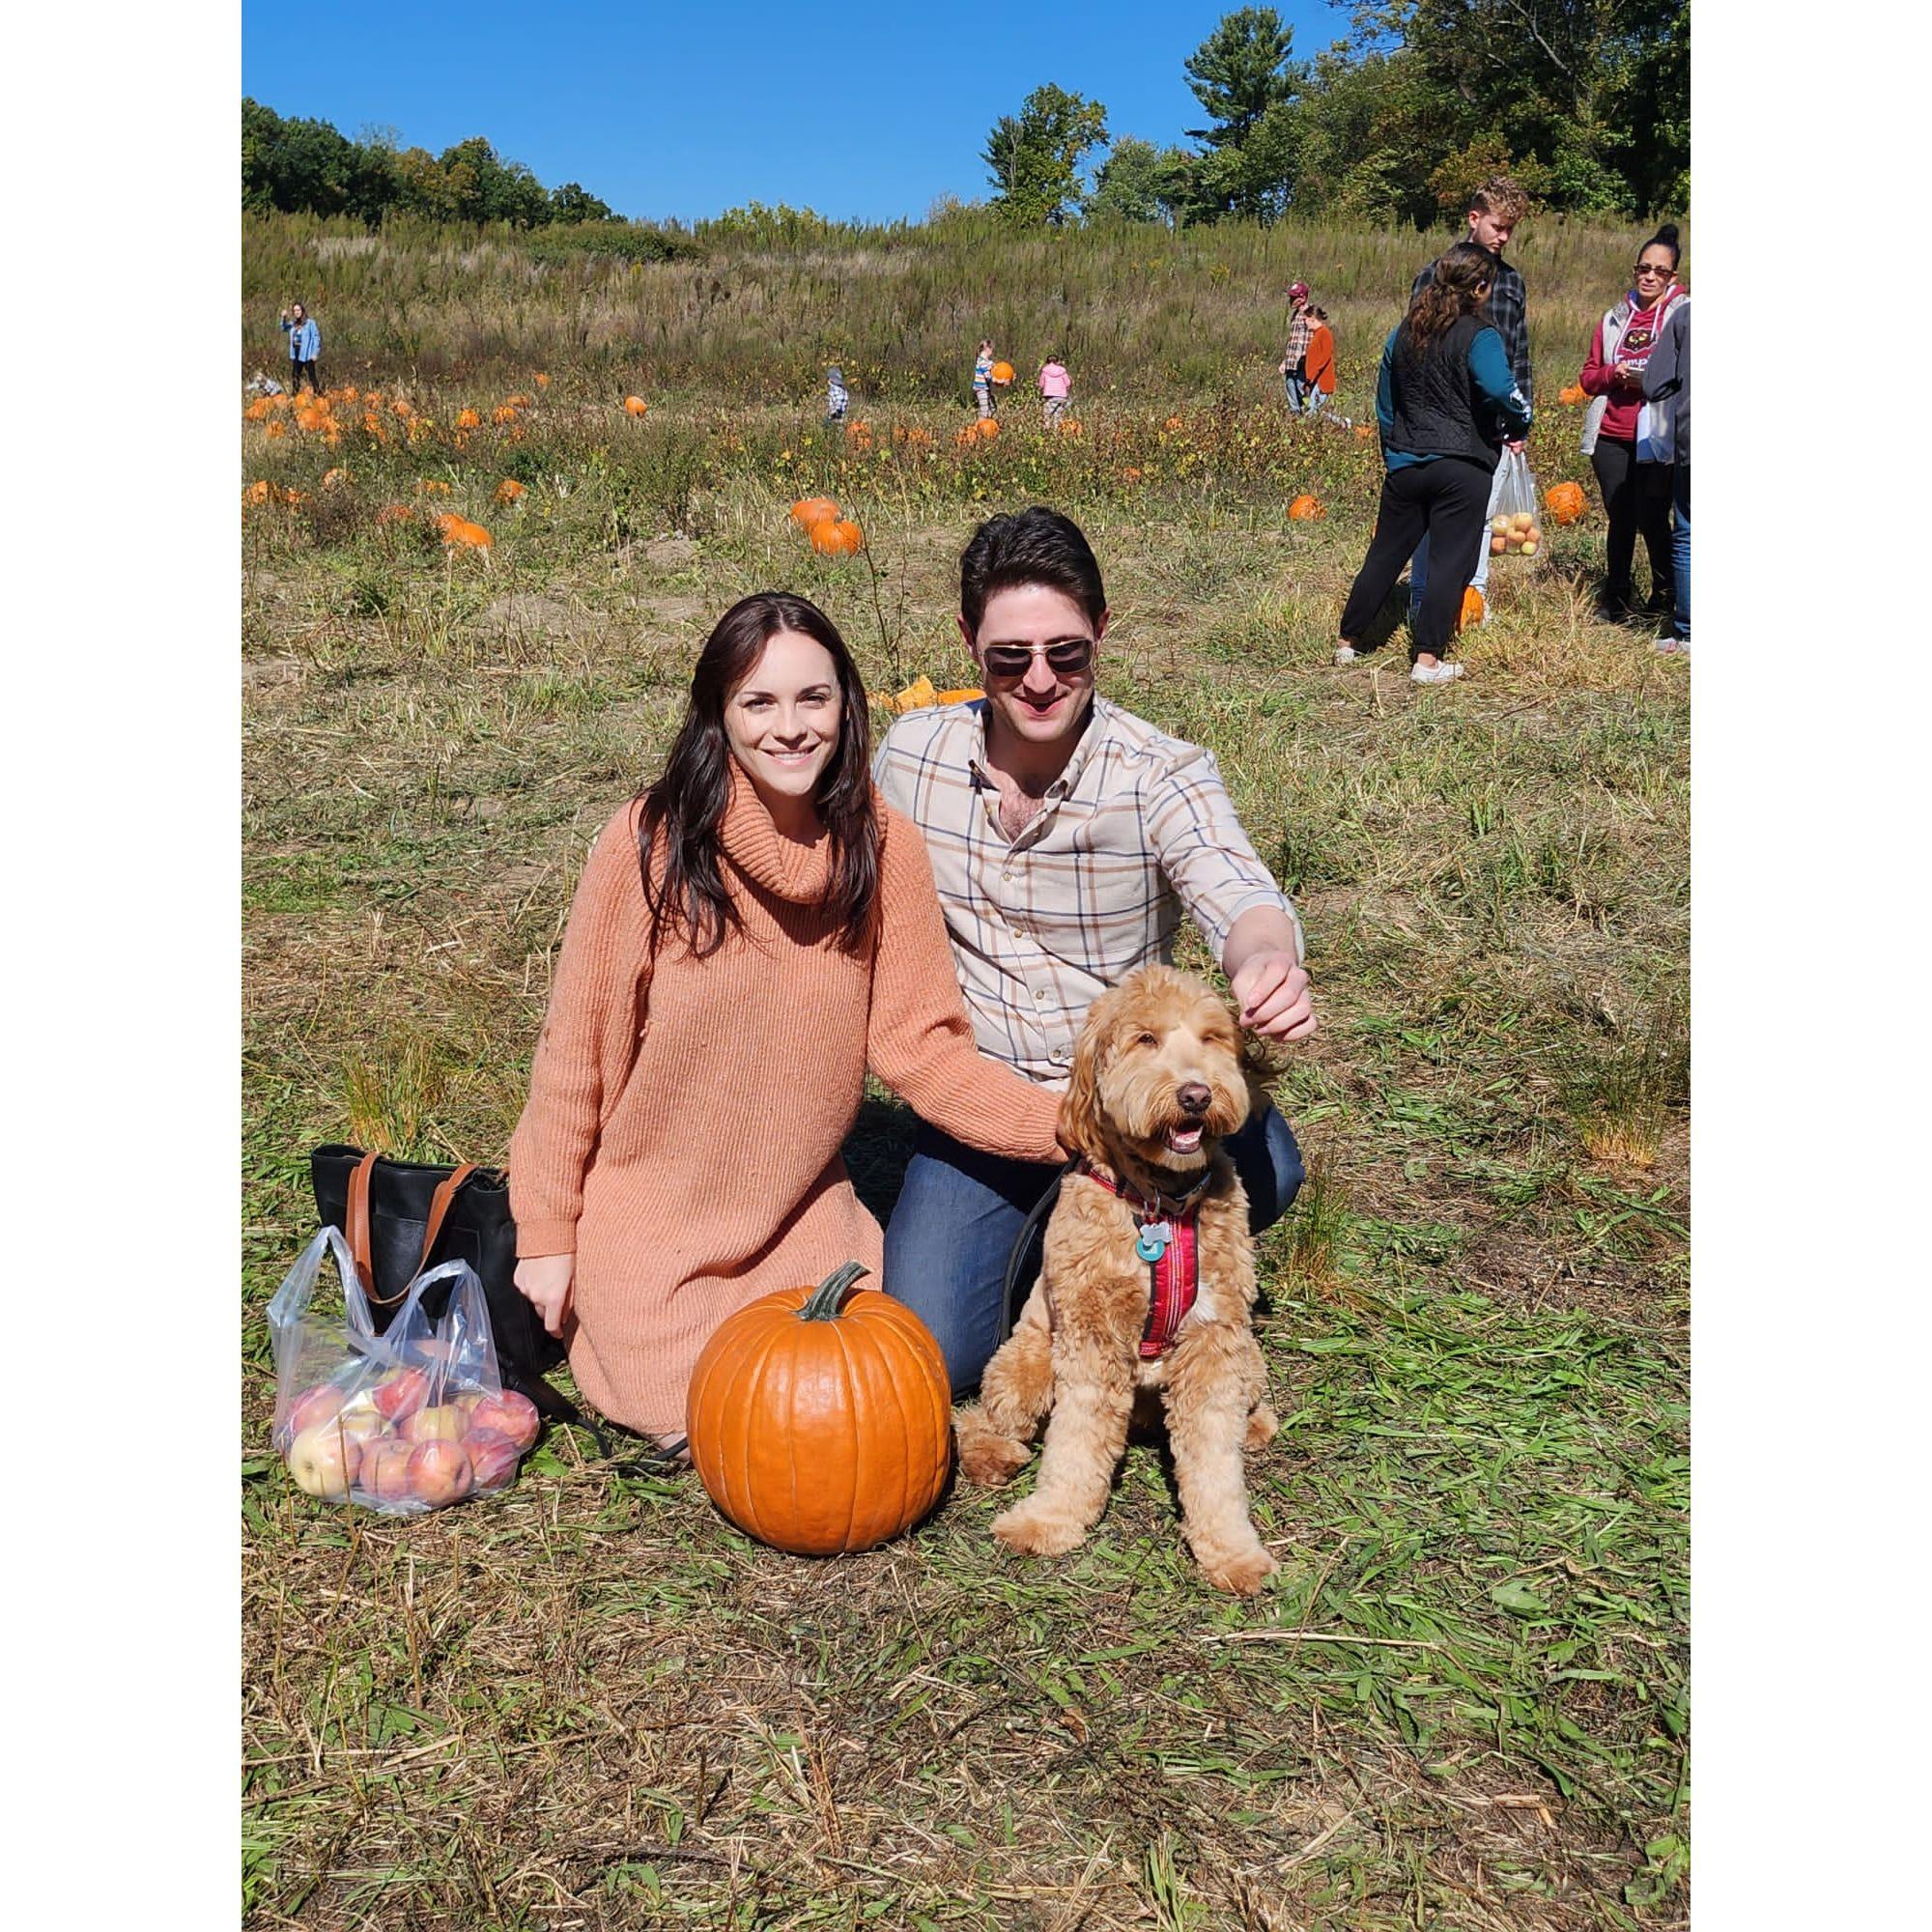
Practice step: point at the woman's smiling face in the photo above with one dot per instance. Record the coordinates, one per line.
(782, 721)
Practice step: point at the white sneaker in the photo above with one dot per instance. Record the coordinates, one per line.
(1345, 654)
(1436, 673)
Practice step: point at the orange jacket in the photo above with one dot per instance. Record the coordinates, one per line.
(1319, 363)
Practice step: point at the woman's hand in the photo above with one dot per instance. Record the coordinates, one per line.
(544, 1282)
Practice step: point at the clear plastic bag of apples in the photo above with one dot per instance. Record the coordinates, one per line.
(1516, 529)
(409, 1420)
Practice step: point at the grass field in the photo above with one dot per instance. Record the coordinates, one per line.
(590, 1702)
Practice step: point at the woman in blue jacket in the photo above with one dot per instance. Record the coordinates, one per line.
(304, 346)
(1446, 402)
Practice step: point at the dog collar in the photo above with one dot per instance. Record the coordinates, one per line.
(1170, 1243)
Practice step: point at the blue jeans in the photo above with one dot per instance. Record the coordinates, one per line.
(1297, 392)
(960, 1211)
(1679, 548)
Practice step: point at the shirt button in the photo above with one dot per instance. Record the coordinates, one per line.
(1039, 996)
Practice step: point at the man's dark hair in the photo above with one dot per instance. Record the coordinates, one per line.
(1037, 546)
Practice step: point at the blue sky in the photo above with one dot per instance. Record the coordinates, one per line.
(861, 111)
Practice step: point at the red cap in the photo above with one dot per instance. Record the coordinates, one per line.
(1297, 289)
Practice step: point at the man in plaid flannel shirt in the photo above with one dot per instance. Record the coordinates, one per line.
(1494, 210)
(1066, 837)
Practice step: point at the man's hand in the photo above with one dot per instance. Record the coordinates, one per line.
(544, 1282)
(1272, 996)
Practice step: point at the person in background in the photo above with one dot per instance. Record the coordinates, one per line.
(836, 396)
(1067, 839)
(982, 380)
(1318, 363)
(1666, 379)
(1494, 211)
(1055, 387)
(1294, 358)
(751, 934)
(1636, 493)
(1447, 400)
(304, 346)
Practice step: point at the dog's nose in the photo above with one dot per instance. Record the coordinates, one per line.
(1194, 1097)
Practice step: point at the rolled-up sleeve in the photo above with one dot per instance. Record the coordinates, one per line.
(1205, 853)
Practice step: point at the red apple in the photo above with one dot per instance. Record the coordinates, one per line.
(493, 1457)
(402, 1393)
(323, 1461)
(313, 1406)
(445, 1423)
(386, 1469)
(516, 1416)
(439, 1472)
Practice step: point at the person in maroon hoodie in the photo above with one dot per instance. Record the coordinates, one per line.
(1636, 493)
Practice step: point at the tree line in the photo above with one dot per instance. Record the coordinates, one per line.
(1587, 102)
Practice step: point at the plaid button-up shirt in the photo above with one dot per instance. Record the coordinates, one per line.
(1137, 827)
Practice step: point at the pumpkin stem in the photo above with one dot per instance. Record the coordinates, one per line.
(831, 1292)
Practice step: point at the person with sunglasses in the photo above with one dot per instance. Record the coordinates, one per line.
(1636, 492)
(1067, 837)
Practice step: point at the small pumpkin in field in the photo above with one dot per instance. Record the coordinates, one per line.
(1171, 424)
(836, 536)
(257, 491)
(988, 427)
(509, 489)
(460, 533)
(1003, 372)
(1305, 509)
(810, 510)
(469, 419)
(960, 693)
(969, 436)
(1566, 502)
(541, 380)
(1365, 431)
(823, 1424)
(1473, 607)
(1572, 395)
(1069, 425)
(858, 436)
(503, 413)
(636, 405)
(257, 410)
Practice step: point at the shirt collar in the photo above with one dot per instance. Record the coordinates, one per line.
(1091, 734)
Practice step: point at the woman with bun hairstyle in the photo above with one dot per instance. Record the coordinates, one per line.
(750, 933)
(1637, 492)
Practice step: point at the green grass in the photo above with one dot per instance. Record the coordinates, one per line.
(590, 1702)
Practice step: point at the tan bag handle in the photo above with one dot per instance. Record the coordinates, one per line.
(357, 1216)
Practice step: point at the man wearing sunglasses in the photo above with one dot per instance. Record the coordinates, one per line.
(1067, 837)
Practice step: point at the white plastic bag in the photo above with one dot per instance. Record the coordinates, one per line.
(404, 1422)
(1515, 524)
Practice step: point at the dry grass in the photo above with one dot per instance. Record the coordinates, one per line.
(590, 1702)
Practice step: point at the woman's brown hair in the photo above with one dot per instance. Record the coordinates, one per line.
(685, 808)
(1459, 287)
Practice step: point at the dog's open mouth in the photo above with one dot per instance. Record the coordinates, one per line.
(1185, 1138)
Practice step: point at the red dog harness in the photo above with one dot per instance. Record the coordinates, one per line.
(1171, 1246)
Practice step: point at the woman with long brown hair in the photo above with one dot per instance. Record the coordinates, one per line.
(751, 932)
(1445, 402)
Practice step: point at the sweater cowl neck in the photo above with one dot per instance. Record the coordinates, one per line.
(771, 861)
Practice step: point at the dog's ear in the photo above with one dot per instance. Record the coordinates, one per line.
(1080, 1125)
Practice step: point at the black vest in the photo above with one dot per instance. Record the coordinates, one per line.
(1439, 409)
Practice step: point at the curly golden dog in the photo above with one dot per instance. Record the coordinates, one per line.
(1159, 1083)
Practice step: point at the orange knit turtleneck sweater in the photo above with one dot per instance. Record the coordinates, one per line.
(683, 1130)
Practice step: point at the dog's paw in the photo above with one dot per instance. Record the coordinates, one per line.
(1034, 1533)
(990, 1461)
(1240, 1574)
(1262, 1428)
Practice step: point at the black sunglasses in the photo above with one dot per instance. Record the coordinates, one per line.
(1652, 269)
(1069, 659)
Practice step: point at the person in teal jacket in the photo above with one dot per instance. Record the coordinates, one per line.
(304, 346)
(1447, 400)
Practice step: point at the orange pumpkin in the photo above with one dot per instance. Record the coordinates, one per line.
(1069, 426)
(275, 429)
(518, 402)
(636, 405)
(820, 1424)
(1365, 431)
(395, 513)
(542, 381)
(969, 436)
(334, 479)
(257, 410)
(1305, 510)
(503, 413)
(509, 489)
(832, 536)
(810, 510)
(1573, 394)
(1566, 501)
(257, 492)
(1003, 372)
(858, 436)
(1472, 608)
(990, 427)
(469, 419)
(1172, 423)
(460, 533)
(960, 693)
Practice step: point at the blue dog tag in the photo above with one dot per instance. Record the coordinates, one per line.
(1153, 1241)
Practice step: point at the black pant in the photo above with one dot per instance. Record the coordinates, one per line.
(1446, 500)
(298, 370)
(1637, 496)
